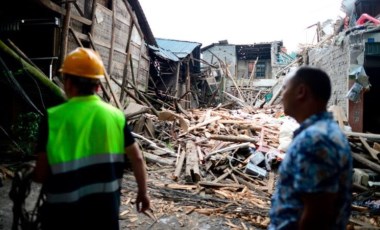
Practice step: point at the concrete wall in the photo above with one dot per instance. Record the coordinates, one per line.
(242, 69)
(226, 53)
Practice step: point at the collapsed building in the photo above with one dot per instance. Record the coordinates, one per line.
(351, 58)
(247, 72)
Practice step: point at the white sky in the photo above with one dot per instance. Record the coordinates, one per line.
(238, 21)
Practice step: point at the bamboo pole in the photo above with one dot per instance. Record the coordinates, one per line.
(41, 77)
(22, 54)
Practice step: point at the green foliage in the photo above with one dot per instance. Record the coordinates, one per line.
(169, 145)
(25, 131)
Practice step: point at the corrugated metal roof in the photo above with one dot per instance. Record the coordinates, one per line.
(164, 53)
(180, 48)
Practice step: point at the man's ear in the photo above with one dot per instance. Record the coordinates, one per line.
(301, 91)
(97, 87)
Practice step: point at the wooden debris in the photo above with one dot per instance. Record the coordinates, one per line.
(233, 138)
(157, 159)
(192, 163)
(219, 185)
(179, 166)
(372, 152)
(213, 119)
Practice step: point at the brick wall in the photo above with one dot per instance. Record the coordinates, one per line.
(335, 60)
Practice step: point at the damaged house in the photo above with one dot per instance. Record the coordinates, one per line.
(352, 59)
(250, 70)
(175, 66)
(36, 35)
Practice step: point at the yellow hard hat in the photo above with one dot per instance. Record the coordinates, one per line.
(83, 62)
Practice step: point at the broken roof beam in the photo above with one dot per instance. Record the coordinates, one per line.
(54, 7)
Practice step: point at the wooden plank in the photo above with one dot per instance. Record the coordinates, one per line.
(374, 154)
(65, 31)
(366, 162)
(213, 119)
(219, 185)
(234, 138)
(53, 6)
(376, 146)
(79, 43)
(271, 182)
(179, 166)
(251, 186)
(366, 135)
(139, 126)
(154, 145)
(192, 166)
(229, 148)
(106, 76)
(200, 154)
(110, 57)
(129, 93)
(157, 159)
(178, 186)
(339, 116)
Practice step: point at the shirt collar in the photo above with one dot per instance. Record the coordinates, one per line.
(93, 97)
(313, 119)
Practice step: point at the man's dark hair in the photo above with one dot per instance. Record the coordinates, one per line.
(316, 79)
(85, 86)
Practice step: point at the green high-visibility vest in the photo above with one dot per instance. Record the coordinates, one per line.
(82, 128)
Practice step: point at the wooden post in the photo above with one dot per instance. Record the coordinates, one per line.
(177, 79)
(233, 138)
(107, 77)
(234, 82)
(129, 93)
(65, 31)
(188, 82)
(125, 76)
(372, 165)
(76, 37)
(192, 165)
(93, 15)
(110, 58)
(178, 169)
(251, 77)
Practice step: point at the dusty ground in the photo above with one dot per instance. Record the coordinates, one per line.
(170, 211)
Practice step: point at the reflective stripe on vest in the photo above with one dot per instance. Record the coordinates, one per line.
(74, 196)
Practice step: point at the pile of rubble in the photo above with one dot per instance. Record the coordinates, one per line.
(222, 162)
(220, 156)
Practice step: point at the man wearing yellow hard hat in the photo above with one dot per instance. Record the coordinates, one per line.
(82, 149)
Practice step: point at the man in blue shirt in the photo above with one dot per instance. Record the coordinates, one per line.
(313, 190)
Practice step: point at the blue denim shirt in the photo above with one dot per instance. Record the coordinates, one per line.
(318, 160)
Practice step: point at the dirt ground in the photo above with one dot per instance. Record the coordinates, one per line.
(169, 211)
